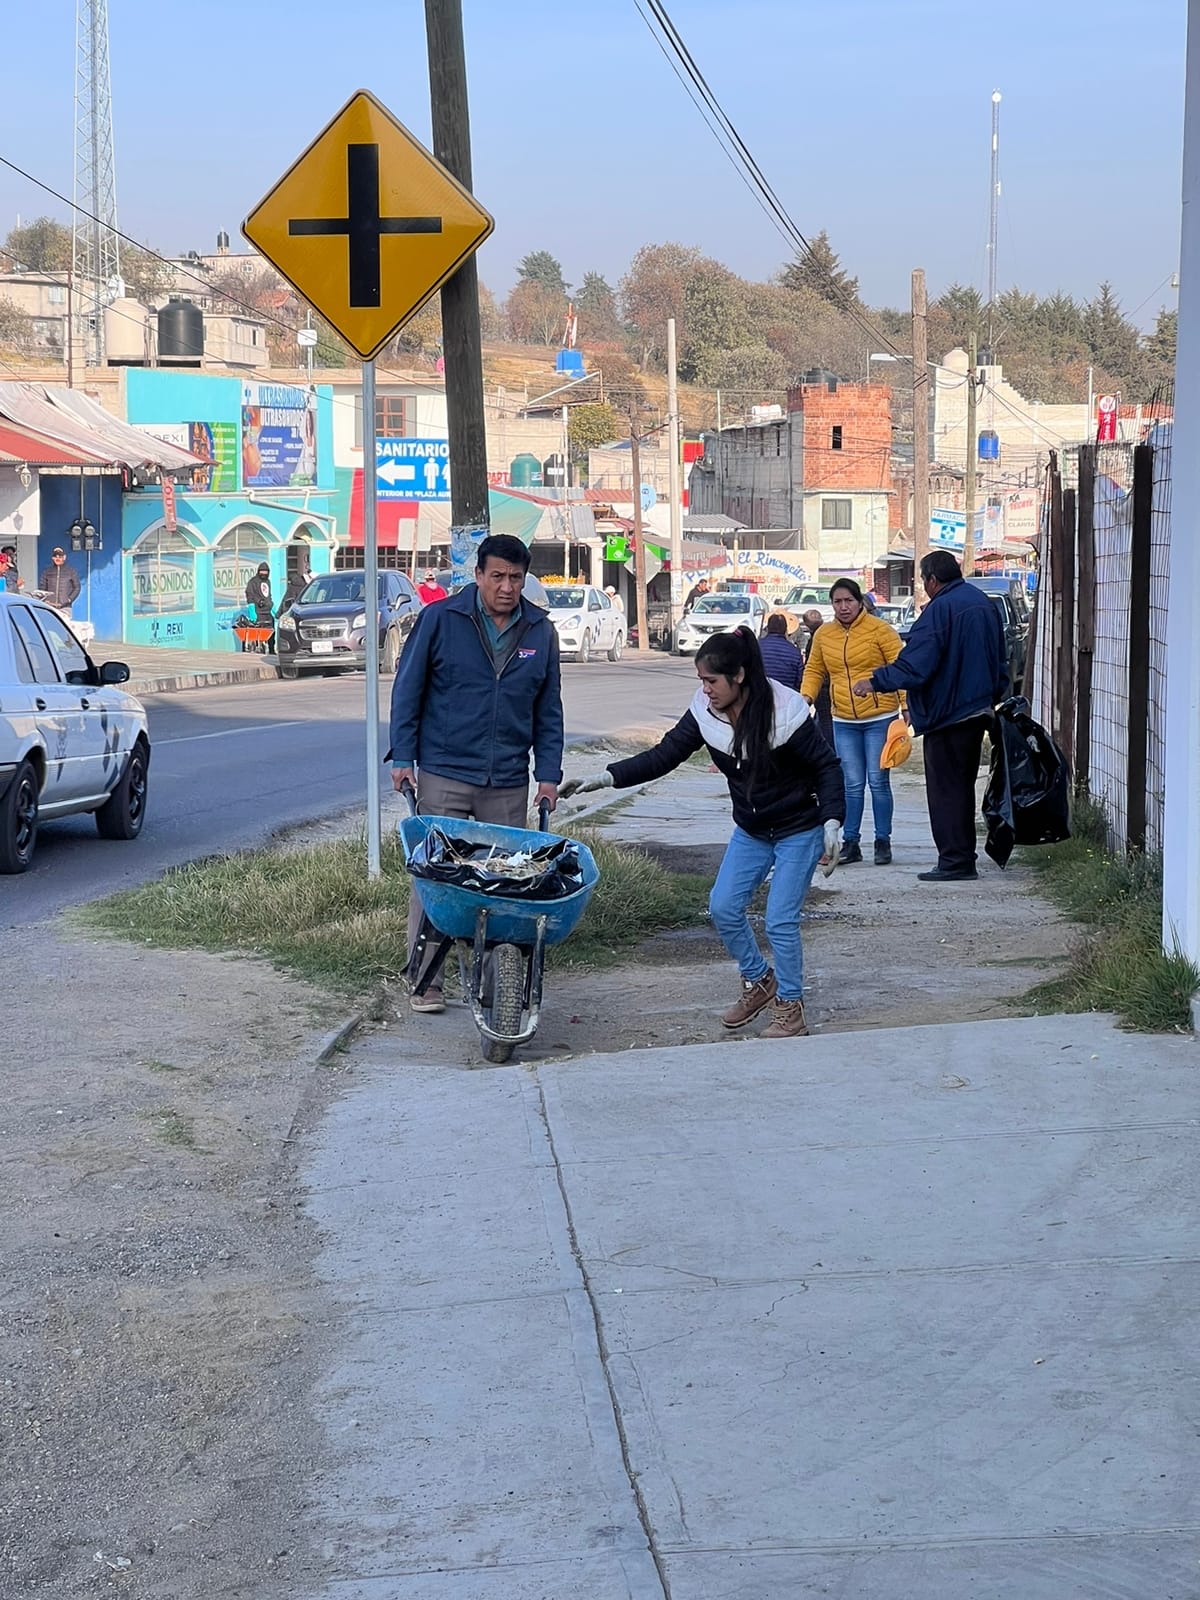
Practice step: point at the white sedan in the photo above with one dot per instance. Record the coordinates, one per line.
(70, 740)
(586, 621)
(719, 613)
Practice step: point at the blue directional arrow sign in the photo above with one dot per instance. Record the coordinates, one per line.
(412, 469)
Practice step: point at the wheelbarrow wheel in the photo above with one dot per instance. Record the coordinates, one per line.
(508, 1000)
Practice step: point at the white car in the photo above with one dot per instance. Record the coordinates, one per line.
(586, 621)
(70, 740)
(719, 613)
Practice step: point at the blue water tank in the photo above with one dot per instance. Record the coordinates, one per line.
(570, 363)
(989, 445)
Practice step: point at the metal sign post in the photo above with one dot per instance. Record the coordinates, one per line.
(367, 226)
(371, 584)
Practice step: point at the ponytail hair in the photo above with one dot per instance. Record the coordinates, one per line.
(729, 654)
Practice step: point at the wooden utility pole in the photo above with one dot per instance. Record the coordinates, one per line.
(920, 382)
(968, 561)
(674, 488)
(461, 343)
(639, 544)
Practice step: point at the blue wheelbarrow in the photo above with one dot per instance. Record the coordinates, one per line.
(505, 938)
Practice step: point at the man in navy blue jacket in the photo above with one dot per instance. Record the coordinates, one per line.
(954, 669)
(478, 687)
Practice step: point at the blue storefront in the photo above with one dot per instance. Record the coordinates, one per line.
(264, 493)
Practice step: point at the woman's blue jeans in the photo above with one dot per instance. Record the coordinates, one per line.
(746, 864)
(859, 746)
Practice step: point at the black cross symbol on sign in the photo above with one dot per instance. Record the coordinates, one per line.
(363, 226)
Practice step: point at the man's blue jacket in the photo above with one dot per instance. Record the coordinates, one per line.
(954, 664)
(454, 715)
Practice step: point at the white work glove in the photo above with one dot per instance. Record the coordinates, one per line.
(833, 846)
(598, 780)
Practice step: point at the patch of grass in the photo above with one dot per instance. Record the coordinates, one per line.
(175, 1130)
(1121, 966)
(314, 913)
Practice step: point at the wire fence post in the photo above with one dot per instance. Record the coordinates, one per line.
(1086, 583)
(1139, 646)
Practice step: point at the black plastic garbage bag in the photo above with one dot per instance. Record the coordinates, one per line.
(548, 872)
(1027, 800)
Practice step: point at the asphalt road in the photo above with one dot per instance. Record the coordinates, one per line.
(232, 765)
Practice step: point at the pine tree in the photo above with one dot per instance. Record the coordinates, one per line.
(539, 266)
(818, 270)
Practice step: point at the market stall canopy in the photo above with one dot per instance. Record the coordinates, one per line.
(24, 446)
(75, 420)
(540, 516)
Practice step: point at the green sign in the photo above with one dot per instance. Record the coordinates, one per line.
(616, 547)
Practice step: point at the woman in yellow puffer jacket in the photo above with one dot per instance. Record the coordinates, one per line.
(842, 652)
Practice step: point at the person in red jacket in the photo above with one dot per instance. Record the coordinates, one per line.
(431, 589)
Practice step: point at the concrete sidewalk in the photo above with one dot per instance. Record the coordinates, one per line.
(156, 669)
(884, 1314)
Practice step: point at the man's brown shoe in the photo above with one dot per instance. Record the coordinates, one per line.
(431, 1000)
(755, 997)
(787, 1021)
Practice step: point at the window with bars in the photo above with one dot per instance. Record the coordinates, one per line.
(352, 557)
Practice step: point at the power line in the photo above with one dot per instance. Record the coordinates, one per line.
(769, 199)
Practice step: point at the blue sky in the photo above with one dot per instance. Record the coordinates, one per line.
(870, 118)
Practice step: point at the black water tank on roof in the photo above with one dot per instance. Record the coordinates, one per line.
(180, 331)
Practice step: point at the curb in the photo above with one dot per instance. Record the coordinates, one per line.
(198, 680)
(334, 1042)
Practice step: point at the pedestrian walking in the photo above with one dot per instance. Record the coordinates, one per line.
(822, 705)
(781, 660)
(59, 581)
(477, 688)
(954, 670)
(296, 584)
(430, 589)
(696, 592)
(258, 596)
(786, 787)
(13, 580)
(841, 653)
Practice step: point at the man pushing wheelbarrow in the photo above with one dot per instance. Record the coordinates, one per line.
(478, 687)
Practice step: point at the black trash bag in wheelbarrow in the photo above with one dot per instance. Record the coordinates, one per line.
(548, 872)
(1027, 800)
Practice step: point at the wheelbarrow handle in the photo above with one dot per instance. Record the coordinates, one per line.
(543, 815)
(410, 797)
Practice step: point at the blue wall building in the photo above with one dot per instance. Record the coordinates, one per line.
(265, 493)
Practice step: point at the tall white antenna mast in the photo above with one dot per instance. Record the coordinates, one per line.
(993, 221)
(95, 252)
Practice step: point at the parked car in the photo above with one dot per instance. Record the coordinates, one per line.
(1014, 588)
(898, 615)
(719, 613)
(70, 740)
(326, 628)
(804, 597)
(585, 620)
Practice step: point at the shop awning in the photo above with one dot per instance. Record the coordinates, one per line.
(19, 445)
(697, 557)
(75, 420)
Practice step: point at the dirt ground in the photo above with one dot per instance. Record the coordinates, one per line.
(160, 1322)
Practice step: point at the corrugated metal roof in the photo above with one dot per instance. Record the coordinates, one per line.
(22, 444)
(73, 419)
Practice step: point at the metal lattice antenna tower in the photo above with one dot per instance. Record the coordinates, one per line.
(95, 252)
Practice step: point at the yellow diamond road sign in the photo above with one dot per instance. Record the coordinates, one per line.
(366, 224)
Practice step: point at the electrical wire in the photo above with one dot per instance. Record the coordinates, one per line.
(769, 199)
